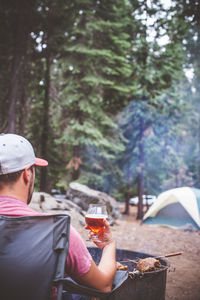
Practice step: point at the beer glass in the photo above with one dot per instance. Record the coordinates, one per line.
(94, 217)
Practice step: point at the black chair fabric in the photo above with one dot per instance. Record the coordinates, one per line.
(33, 251)
(76, 289)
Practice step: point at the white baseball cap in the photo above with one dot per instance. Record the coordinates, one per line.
(16, 154)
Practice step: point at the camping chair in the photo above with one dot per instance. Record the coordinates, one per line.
(33, 252)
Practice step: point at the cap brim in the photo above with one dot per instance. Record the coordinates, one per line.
(41, 162)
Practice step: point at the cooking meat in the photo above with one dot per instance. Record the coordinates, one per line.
(121, 267)
(148, 264)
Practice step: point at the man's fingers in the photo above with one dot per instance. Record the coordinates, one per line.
(106, 226)
(106, 223)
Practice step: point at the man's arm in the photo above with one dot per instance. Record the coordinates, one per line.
(101, 277)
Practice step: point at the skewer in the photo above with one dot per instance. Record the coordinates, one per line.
(167, 255)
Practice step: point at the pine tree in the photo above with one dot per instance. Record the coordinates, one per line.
(93, 83)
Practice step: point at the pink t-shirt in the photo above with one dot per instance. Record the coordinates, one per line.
(78, 260)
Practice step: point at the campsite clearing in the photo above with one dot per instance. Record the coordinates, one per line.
(183, 276)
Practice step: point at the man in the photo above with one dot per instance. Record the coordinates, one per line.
(17, 176)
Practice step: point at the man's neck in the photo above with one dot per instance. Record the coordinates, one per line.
(13, 193)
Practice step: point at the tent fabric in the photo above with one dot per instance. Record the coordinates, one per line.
(197, 194)
(175, 208)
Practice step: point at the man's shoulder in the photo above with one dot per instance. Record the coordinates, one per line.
(11, 206)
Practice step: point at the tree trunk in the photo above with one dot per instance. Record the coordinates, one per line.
(140, 196)
(126, 210)
(76, 171)
(197, 87)
(141, 176)
(45, 123)
(24, 11)
(141, 145)
(12, 96)
(23, 109)
(127, 196)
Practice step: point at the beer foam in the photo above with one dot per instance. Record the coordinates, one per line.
(96, 216)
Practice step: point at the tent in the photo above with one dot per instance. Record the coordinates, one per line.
(175, 208)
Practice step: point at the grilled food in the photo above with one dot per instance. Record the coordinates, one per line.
(121, 267)
(148, 264)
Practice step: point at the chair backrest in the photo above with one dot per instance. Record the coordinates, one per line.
(33, 251)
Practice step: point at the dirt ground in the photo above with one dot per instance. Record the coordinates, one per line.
(183, 276)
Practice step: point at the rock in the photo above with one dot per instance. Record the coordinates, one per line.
(83, 196)
(78, 199)
(45, 203)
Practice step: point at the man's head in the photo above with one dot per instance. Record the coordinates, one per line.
(18, 161)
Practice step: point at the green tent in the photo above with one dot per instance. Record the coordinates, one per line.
(175, 208)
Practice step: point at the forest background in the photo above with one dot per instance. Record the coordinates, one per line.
(107, 91)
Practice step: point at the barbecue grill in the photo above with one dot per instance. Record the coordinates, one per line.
(137, 286)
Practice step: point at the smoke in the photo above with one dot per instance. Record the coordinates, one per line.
(157, 144)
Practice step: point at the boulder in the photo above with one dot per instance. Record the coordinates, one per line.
(82, 196)
(45, 203)
(78, 199)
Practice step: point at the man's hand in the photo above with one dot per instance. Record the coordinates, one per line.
(104, 235)
(101, 276)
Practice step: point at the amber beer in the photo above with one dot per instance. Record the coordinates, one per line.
(95, 222)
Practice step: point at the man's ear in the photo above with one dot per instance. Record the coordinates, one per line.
(27, 174)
